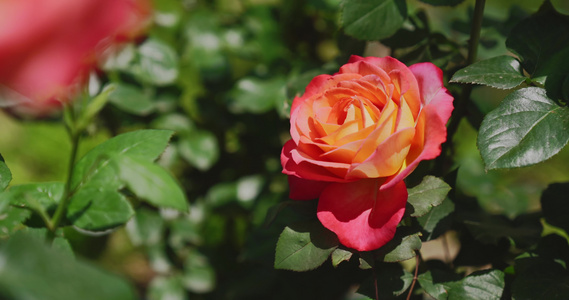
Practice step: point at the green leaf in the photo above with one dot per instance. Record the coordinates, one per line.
(555, 206)
(93, 107)
(132, 99)
(12, 218)
(402, 247)
(437, 220)
(480, 285)
(199, 274)
(5, 176)
(169, 288)
(146, 228)
(429, 193)
(94, 166)
(373, 19)
(39, 197)
(393, 280)
(443, 2)
(253, 95)
(540, 278)
(339, 255)
(199, 148)
(525, 129)
(34, 271)
(502, 72)
(158, 63)
(105, 209)
(540, 42)
(151, 183)
(304, 246)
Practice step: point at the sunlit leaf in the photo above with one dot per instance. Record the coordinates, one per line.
(525, 129)
(5, 175)
(199, 274)
(339, 255)
(480, 285)
(437, 220)
(373, 19)
(429, 193)
(146, 228)
(503, 72)
(255, 95)
(151, 183)
(105, 209)
(304, 246)
(402, 247)
(169, 288)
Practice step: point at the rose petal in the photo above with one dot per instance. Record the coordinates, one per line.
(363, 216)
(437, 110)
(304, 169)
(302, 189)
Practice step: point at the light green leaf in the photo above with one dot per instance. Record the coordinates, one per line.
(158, 63)
(373, 19)
(502, 72)
(169, 288)
(146, 228)
(199, 274)
(151, 183)
(132, 99)
(253, 95)
(480, 285)
(93, 107)
(94, 166)
(437, 220)
(525, 129)
(199, 148)
(304, 246)
(34, 271)
(429, 193)
(339, 255)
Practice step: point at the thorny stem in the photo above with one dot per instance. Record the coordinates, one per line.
(417, 261)
(62, 207)
(461, 102)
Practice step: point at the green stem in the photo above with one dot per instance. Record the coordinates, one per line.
(461, 103)
(62, 207)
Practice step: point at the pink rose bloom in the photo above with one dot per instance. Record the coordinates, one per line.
(356, 135)
(48, 46)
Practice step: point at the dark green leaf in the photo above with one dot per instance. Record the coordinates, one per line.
(253, 95)
(304, 246)
(502, 72)
(5, 176)
(437, 220)
(199, 275)
(158, 63)
(443, 2)
(151, 183)
(105, 209)
(555, 205)
(402, 247)
(541, 42)
(132, 99)
(480, 285)
(34, 271)
(199, 148)
(392, 281)
(429, 193)
(540, 278)
(525, 129)
(373, 19)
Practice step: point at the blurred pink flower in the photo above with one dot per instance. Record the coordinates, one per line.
(48, 46)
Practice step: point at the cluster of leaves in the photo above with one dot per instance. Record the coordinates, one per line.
(205, 99)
